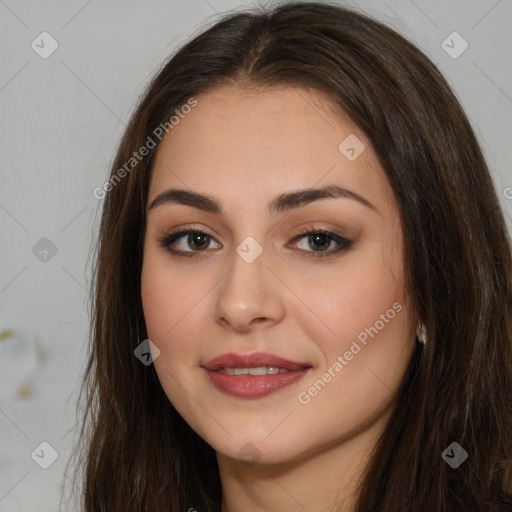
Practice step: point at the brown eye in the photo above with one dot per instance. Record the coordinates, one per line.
(320, 240)
(196, 240)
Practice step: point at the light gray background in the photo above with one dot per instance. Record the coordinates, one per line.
(61, 120)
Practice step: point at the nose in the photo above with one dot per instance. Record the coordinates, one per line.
(249, 295)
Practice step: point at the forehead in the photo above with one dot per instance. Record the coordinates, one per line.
(237, 144)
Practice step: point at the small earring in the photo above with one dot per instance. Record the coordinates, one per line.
(421, 333)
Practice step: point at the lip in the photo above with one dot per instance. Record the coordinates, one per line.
(253, 386)
(233, 360)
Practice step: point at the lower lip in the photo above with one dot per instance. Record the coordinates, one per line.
(254, 386)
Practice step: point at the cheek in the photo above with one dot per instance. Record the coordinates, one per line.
(364, 338)
(354, 298)
(168, 296)
(170, 300)
(174, 306)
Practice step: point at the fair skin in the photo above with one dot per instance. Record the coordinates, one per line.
(244, 148)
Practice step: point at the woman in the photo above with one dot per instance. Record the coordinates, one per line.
(303, 283)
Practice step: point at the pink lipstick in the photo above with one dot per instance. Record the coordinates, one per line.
(253, 375)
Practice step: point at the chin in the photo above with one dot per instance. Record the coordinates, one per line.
(252, 450)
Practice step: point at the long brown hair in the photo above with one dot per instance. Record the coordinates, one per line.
(136, 451)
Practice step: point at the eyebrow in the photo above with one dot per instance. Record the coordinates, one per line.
(282, 203)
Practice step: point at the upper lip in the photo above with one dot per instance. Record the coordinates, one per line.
(254, 360)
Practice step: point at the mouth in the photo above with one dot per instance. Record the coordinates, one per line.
(253, 375)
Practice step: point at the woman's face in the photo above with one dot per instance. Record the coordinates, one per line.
(333, 304)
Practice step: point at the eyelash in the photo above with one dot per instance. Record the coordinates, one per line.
(170, 238)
